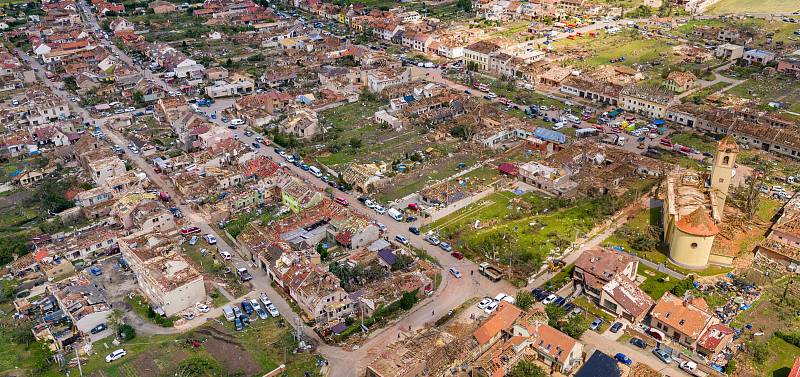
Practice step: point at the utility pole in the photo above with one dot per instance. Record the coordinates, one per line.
(80, 369)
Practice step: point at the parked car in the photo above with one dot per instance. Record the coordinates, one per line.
(265, 299)
(99, 328)
(485, 302)
(455, 272)
(433, 240)
(622, 358)
(247, 307)
(401, 239)
(638, 343)
(273, 311)
(445, 246)
(210, 239)
(225, 255)
(559, 301)
(457, 255)
(663, 355)
(491, 307)
(616, 327)
(190, 230)
(95, 271)
(414, 230)
(116, 355)
(237, 324)
(596, 324)
(188, 316)
(549, 299)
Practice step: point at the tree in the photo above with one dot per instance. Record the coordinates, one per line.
(465, 5)
(408, 300)
(683, 286)
(126, 332)
(355, 143)
(575, 326)
(322, 251)
(138, 99)
(526, 368)
(524, 299)
(199, 366)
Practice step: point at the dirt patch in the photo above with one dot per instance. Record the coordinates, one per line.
(145, 364)
(228, 351)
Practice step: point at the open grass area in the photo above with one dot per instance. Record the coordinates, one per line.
(593, 311)
(699, 95)
(751, 6)
(781, 357)
(655, 283)
(693, 140)
(258, 349)
(521, 230)
(634, 47)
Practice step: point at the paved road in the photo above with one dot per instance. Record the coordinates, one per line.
(611, 347)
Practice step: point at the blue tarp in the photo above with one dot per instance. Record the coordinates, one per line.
(658, 122)
(409, 98)
(550, 135)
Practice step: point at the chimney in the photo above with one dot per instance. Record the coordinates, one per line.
(536, 329)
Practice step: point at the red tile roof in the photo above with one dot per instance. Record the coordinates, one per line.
(503, 319)
(698, 223)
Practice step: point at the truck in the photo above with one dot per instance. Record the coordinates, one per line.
(491, 272)
(395, 214)
(691, 368)
(244, 275)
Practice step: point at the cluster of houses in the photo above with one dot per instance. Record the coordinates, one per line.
(493, 345)
(287, 250)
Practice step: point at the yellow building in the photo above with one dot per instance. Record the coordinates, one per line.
(692, 211)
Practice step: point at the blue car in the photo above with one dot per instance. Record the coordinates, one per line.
(247, 307)
(237, 323)
(96, 271)
(622, 358)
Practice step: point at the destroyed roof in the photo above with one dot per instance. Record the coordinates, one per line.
(698, 223)
(549, 135)
(628, 295)
(714, 335)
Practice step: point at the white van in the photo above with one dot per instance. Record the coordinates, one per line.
(228, 311)
(315, 170)
(395, 214)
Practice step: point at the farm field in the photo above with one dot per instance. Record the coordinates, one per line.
(752, 6)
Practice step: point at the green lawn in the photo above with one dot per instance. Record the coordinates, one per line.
(521, 230)
(782, 356)
(699, 95)
(593, 312)
(655, 283)
(631, 45)
(751, 6)
(700, 142)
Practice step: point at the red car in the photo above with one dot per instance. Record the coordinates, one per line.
(342, 201)
(190, 230)
(457, 255)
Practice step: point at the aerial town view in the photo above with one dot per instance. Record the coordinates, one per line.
(399, 188)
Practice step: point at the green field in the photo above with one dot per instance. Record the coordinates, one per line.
(753, 6)
(782, 356)
(523, 230)
(630, 45)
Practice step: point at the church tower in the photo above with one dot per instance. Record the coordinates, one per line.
(722, 171)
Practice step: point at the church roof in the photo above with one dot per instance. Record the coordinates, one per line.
(698, 223)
